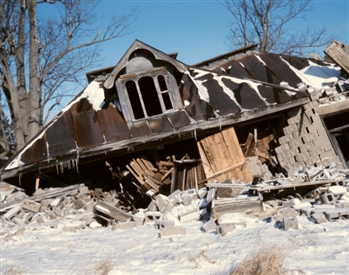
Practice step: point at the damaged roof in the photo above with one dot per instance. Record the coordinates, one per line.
(150, 97)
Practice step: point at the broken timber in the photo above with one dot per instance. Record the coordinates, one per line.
(223, 206)
(337, 53)
(273, 187)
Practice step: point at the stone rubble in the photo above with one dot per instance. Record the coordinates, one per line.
(323, 196)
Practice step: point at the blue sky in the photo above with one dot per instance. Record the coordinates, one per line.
(197, 30)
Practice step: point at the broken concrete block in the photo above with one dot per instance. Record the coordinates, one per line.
(162, 202)
(151, 217)
(55, 202)
(46, 202)
(290, 203)
(202, 193)
(175, 197)
(342, 204)
(170, 231)
(186, 200)
(301, 205)
(189, 192)
(108, 198)
(16, 196)
(337, 190)
(95, 224)
(66, 209)
(18, 221)
(195, 216)
(12, 212)
(328, 198)
(126, 225)
(211, 194)
(83, 189)
(78, 203)
(139, 217)
(73, 226)
(307, 211)
(152, 206)
(112, 212)
(224, 229)
(290, 223)
(88, 207)
(319, 217)
(283, 213)
(27, 217)
(38, 191)
(188, 209)
(336, 213)
(85, 217)
(159, 224)
(31, 206)
(210, 226)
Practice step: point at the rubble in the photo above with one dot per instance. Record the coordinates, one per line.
(319, 193)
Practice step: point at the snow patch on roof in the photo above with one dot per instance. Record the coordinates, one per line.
(316, 75)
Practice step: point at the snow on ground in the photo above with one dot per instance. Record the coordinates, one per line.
(312, 249)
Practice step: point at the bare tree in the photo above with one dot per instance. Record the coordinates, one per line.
(38, 55)
(266, 22)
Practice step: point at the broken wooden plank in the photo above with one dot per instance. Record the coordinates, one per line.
(336, 52)
(263, 155)
(135, 174)
(275, 187)
(151, 183)
(170, 171)
(220, 207)
(247, 144)
(221, 172)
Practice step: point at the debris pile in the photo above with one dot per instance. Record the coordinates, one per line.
(322, 194)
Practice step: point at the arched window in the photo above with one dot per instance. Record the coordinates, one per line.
(149, 95)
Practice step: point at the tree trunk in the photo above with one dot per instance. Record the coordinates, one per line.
(34, 124)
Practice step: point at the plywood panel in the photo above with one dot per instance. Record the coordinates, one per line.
(220, 152)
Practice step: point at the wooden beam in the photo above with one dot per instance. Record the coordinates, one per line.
(222, 172)
(336, 52)
(338, 129)
(247, 144)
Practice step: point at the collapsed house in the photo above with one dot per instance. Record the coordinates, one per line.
(153, 125)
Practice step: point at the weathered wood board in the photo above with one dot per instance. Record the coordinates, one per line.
(222, 151)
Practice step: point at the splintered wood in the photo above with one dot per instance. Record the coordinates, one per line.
(222, 157)
(149, 177)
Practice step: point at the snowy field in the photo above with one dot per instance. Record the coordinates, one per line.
(312, 249)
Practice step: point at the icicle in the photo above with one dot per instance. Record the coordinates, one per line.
(76, 165)
(220, 124)
(61, 167)
(57, 169)
(19, 178)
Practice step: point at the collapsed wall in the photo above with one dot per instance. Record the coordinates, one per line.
(305, 141)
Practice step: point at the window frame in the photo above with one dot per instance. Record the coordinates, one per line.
(172, 91)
